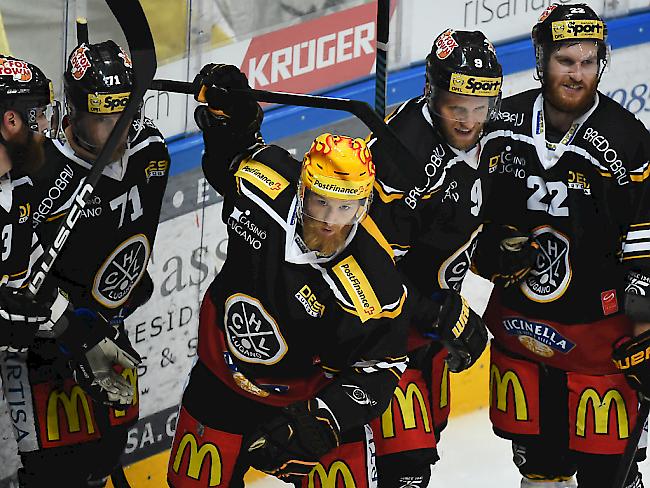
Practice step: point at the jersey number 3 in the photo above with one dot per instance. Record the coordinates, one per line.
(548, 196)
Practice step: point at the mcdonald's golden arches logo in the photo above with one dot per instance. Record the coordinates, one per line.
(601, 410)
(499, 385)
(330, 478)
(70, 404)
(406, 402)
(197, 457)
(131, 376)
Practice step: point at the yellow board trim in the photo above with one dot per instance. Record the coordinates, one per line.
(4, 42)
(266, 179)
(358, 287)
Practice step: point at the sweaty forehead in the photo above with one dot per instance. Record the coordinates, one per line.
(577, 50)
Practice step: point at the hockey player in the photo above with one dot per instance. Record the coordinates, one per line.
(25, 95)
(301, 335)
(571, 170)
(102, 268)
(432, 228)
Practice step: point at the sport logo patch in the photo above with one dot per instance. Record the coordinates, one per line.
(79, 62)
(445, 44)
(253, 335)
(537, 337)
(18, 70)
(551, 273)
(474, 85)
(455, 267)
(578, 29)
(107, 103)
(121, 271)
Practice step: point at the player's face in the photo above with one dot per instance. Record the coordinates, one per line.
(327, 222)
(92, 130)
(461, 118)
(571, 77)
(23, 149)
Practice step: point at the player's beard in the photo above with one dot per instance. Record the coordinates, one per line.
(26, 156)
(578, 104)
(461, 141)
(325, 243)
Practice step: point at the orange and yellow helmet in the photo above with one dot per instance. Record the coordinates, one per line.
(337, 169)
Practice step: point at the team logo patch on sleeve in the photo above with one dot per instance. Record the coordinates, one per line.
(156, 168)
(253, 334)
(121, 271)
(358, 287)
(551, 273)
(266, 179)
(455, 267)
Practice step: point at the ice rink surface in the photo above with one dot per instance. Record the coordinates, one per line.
(471, 457)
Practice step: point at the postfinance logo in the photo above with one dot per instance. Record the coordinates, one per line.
(601, 408)
(197, 457)
(474, 85)
(406, 403)
(330, 478)
(358, 287)
(499, 385)
(71, 408)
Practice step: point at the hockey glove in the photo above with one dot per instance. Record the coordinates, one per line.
(238, 111)
(504, 255)
(20, 318)
(632, 358)
(461, 330)
(95, 348)
(291, 444)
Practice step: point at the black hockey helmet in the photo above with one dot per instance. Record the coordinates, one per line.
(560, 25)
(464, 63)
(25, 89)
(98, 78)
(98, 81)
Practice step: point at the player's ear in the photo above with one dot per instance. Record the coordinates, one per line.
(12, 124)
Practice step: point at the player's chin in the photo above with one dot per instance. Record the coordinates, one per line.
(464, 139)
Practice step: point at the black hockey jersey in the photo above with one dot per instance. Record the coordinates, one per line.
(432, 226)
(287, 316)
(18, 248)
(585, 201)
(107, 252)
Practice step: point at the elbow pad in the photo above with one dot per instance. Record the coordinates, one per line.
(637, 296)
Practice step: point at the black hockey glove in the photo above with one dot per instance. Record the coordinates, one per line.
(20, 319)
(460, 329)
(95, 348)
(237, 111)
(291, 444)
(631, 358)
(504, 255)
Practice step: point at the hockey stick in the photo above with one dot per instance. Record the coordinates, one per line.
(134, 24)
(82, 30)
(632, 445)
(383, 27)
(396, 148)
